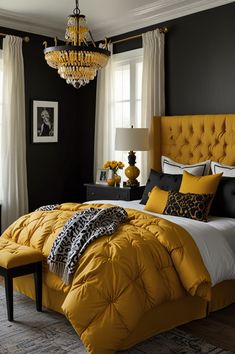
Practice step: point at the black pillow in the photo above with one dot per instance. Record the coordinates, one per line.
(164, 181)
(224, 201)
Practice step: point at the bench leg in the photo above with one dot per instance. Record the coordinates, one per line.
(9, 296)
(38, 285)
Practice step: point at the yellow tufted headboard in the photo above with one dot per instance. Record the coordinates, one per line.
(194, 138)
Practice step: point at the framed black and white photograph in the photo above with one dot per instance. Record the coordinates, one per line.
(102, 176)
(45, 122)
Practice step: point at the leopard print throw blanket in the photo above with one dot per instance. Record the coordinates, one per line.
(78, 232)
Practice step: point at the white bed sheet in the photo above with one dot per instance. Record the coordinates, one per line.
(215, 239)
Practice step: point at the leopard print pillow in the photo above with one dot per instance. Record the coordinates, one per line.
(188, 205)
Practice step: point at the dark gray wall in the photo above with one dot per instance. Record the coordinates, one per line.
(199, 61)
(200, 57)
(57, 171)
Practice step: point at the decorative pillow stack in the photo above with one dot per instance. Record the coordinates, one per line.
(193, 200)
(191, 195)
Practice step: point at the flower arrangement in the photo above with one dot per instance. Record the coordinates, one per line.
(114, 165)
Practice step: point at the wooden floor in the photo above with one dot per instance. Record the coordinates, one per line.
(217, 329)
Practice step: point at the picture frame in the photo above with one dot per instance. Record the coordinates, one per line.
(102, 175)
(45, 122)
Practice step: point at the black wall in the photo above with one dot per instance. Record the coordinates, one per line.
(199, 61)
(200, 57)
(200, 79)
(57, 171)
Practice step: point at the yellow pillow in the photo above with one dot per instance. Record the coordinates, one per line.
(157, 200)
(199, 184)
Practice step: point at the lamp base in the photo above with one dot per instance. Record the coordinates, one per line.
(132, 172)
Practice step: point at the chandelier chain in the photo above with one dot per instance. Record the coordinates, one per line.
(76, 11)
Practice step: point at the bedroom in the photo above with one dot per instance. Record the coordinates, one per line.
(199, 80)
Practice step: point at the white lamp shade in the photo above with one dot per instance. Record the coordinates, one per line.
(132, 139)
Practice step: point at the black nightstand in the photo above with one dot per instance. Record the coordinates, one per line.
(103, 191)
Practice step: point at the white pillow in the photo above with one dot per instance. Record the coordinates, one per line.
(228, 171)
(174, 168)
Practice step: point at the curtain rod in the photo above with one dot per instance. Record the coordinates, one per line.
(161, 29)
(25, 39)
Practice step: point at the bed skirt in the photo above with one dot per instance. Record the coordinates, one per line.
(160, 319)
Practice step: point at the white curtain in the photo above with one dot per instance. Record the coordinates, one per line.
(104, 124)
(13, 139)
(153, 84)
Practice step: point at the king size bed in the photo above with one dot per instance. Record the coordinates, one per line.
(155, 271)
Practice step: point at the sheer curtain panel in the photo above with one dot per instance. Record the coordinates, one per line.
(104, 125)
(13, 139)
(118, 104)
(153, 84)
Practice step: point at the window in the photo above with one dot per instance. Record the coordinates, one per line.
(127, 91)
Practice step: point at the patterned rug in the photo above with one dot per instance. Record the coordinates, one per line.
(48, 332)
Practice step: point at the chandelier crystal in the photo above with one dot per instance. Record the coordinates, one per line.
(78, 61)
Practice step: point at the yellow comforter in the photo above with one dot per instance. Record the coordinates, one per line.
(146, 262)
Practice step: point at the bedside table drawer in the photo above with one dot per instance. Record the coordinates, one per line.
(109, 193)
(101, 192)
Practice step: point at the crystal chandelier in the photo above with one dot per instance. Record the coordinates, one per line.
(78, 61)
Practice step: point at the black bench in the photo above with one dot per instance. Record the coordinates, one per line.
(17, 260)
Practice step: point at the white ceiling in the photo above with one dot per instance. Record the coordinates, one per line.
(104, 17)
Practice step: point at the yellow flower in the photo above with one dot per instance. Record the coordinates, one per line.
(107, 164)
(114, 165)
(120, 164)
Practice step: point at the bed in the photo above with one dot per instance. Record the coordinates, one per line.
(136, 307)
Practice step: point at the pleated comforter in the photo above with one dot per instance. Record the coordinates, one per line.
(148, 261)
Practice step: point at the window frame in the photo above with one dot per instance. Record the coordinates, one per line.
(131, 58)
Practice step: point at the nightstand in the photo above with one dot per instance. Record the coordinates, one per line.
(103, 191)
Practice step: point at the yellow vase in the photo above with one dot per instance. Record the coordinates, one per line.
(111, 182)
(117, 179)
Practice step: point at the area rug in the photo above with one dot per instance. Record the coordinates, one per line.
(49, 332)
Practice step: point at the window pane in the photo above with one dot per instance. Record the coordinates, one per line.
(138, 105)
(122, 83)
(122, 114)
(139, 69)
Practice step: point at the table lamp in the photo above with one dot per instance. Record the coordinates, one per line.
(132, 139)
